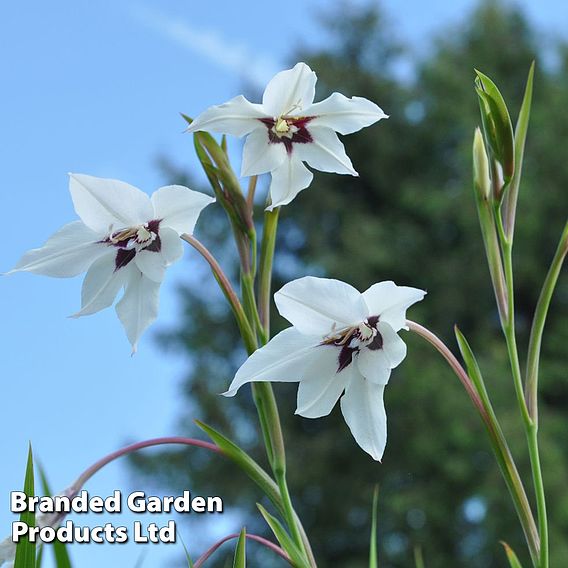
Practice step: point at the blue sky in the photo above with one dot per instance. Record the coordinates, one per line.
(96, 87)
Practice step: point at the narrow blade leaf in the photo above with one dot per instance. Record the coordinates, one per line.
(26, 550)
(520, 138)
(245, 462)
(283, 538)
(240, 559)
(60, 553)
(471, 365)
(187, 556)
(511, 556)
(418, 557)
(373, 548)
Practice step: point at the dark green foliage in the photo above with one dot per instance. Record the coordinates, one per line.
(409, 217)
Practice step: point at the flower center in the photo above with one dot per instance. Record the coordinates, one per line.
(288, 130)
(354, 338)
(132, 240)
(283, 127)
(138, 237)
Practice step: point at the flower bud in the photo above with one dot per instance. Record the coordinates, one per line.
(481, 180)
(497, 128)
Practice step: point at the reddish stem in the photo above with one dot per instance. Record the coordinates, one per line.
(88, 473)
(441, 347)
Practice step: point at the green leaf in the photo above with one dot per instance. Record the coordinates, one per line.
(496, 121)
(245, 462)
(283, 538)
(240, 559)
(187, 556)
(188, 119)
(471, 365)
(520, 138)
(59, 548)
(373, 554)
(26, 550)
(418, 558)
(511, 556)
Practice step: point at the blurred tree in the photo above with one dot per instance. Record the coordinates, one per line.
(409, 217)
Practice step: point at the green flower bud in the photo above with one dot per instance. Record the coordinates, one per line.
(481, 180)
(497, 127)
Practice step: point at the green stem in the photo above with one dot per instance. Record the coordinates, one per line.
(247, 285)
(493, 253)
(267, 395)
(265, 267)
(289, 513)
(498, 441)
(242, 321)
(250, 193)
(531, 428)
(539, 493)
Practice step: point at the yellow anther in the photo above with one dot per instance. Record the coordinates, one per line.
(281, 126)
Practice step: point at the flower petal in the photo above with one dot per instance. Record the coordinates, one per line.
(178, 207)
(287, 181)
(7, 551)
(290, 91)
(344, 115)
(68, 252)
(393, 346)
(101, 285)
(363, 408)
(316, 306)
(376, 364)
(326, 152)
(103, 203)
(237, 117)
(390, 302)
(153, 264)
(261, 156)
(322, 384)
(284, 358)
(138, 307)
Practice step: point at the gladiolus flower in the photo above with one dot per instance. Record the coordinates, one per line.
(125, 239)
(288, 129)
(341, 344)
(7, 553)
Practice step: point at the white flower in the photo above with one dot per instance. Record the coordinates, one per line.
(341, 341)
(7, 553)
(288, 129)
(8, 546)
(124, 239)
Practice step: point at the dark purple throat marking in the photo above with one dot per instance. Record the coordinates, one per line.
(300, 136)
(345, 339)
(127, 243)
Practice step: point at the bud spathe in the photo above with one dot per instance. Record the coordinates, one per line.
(497, 129)
(481, 179)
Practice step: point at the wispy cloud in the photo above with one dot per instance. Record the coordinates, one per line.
(234, 56)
